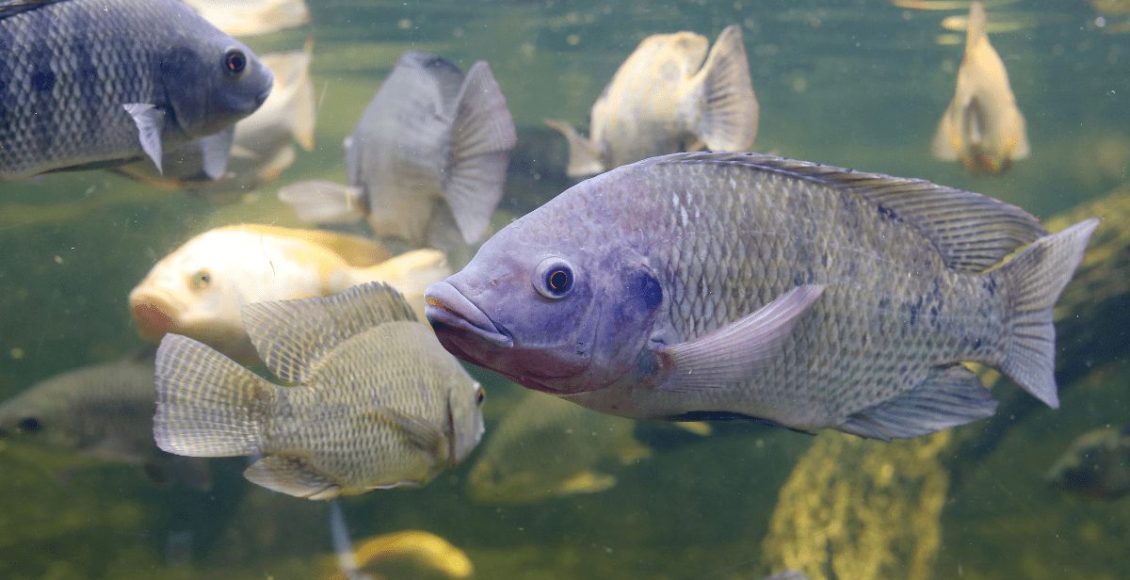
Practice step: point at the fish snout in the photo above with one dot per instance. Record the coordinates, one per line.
(450, 312)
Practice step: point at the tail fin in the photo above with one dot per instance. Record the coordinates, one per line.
(728, 121)
(1034, 280)
(584, 155)
(207, 404)
(482, 137)
(409, 273)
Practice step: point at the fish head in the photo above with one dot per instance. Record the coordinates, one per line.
(212, 80)
(29, 417)
(556, 314)
(1088, 467)
(465, 421)
(193, 292)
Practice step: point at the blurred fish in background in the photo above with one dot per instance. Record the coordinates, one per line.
(406, 554)
(103, 411)
(95, 83)
(982, 127)
(666, 99)
(252, 17)
(546, 447)
(426, 162)
(375, 401)
(199, 288)
(262, 144)
(1096, 465)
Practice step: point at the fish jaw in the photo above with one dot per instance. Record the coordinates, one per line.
(454, 316)
(153, 315)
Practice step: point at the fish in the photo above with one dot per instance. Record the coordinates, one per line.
(103, 411)
(427, 160)
(198, 289)
(512, 469)
(407, 554)
(252, 17)
(699, 286)
(982, 126)
(262, 144)
(1096, 465)
(373, 401)
(75, 96)
(665, 98)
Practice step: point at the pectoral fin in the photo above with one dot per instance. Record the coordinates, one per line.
(421, 434)
(150, 123)
(586, 482)
(732, 353)
(215, 150)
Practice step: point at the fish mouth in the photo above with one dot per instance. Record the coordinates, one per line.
(447, 306)
(151, 314)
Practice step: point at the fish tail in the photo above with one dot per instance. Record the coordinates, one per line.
(584, 155)
(207, 404)
(729, 118)
(1033, 281)
(482, 136)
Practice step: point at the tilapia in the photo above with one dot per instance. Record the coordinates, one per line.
(982, 126)
(104, 411)
(262, 144)
(375, 401)
(198, 289)
(427, 160)
(252, 17)
(707, 286)
(514, 467)
(665, 98)
(1096, 465)
(94, 83)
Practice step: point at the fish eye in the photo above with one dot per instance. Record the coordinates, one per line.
(235, 61)
(29, 425)
(201, 280)
(553, 278)
(480, 395)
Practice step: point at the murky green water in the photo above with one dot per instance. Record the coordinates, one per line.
(857, 84)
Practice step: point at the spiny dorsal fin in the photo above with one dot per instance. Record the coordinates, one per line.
(972, 232)
(294, 336)
(356, 251)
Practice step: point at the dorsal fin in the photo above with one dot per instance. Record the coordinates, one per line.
(357, 251)
(294, 336)
(970, 231)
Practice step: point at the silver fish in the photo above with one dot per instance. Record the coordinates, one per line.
(751, 286)
(1096, 465)
(94, 83)
(427, 159)
(666, 98)
(585, 446)
(104, 411)
(375, 401)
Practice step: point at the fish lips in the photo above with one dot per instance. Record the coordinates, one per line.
(454, 317)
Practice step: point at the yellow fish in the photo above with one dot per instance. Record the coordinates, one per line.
(199, 288)
(412, 553)
(252, 17)
(665, 98)
(982, 125)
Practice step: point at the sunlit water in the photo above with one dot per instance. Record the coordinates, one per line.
(857, 84)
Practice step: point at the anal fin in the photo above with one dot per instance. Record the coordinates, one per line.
(948, 397)
(292, 475)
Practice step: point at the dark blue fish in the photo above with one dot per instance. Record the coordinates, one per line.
(94, 83)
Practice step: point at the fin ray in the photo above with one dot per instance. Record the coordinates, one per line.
(729, 118)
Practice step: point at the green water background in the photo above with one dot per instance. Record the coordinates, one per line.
(859, 84)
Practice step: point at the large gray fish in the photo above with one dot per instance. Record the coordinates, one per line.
(729, 285)
(427, 159)
(667, 98)
(1096, 465)
(376, 401)
(92, 83)
(103, 411)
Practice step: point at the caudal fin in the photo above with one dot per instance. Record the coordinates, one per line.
(1033, 282)
(207, 404)
(728, 121)
(482, 137)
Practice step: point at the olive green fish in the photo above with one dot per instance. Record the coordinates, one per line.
(720, 285)
(376, 402)
(1096, 465)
